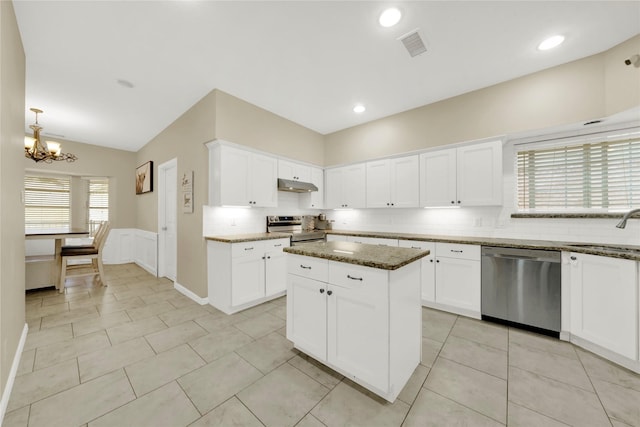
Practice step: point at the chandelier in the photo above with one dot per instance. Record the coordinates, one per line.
(47, 151)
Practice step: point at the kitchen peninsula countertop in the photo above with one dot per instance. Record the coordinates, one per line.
(239, 238)
(603, 249)
(382, 257)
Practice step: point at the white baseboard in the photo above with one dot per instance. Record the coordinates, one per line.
(6, 394)
(149, 269)
(186, 292)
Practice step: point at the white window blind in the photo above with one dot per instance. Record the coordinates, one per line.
(603, 176)
(46, 202)
(98, 202)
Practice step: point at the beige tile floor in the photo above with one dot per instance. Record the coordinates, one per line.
(138, 353)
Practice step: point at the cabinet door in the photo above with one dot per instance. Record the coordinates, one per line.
(354, 183)
(438, 178)
(247, 279)
(286, 170)
(275, 272)
(428, 267)
(458, 283)
(405, 182)
(378, 184)
(604, 297)
(307, 315)
(264, 184)
(480, 174)
(234, 177)
(317, 197)
(333, 188)
(358, 331)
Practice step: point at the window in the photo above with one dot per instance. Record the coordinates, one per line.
(594, 176)
(98, 202)
(47, 202)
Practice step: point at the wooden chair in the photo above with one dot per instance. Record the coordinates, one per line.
(92, 252)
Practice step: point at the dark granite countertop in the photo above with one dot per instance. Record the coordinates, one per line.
(239, 238)
(382, 257)
(602, 249)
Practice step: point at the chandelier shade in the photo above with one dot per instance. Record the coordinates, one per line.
(44, 151)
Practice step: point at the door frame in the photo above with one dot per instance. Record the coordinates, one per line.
(162, 250)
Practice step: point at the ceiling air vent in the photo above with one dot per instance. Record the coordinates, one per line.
(413, 43)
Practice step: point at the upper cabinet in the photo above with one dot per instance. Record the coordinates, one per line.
(294, 171)
(464, 176)
(345, 187)
(393, 183)
(241, 178)
(315, 199)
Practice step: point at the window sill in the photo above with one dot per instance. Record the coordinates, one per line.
(586, 215)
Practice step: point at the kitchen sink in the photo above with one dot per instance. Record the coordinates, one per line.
(622, 250)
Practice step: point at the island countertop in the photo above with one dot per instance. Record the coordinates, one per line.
(241, 238)
(382, 257)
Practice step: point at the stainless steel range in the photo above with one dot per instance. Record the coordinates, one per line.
(301, 228)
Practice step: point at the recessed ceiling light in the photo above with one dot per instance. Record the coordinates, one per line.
(390, 17)
(125, 83)
(359, 108)
(551, 42)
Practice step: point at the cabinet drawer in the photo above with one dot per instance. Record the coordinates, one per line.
(352, 276)
(254, 248)
(454, 250)
(276, 245)
(417, 244)
(313, 268)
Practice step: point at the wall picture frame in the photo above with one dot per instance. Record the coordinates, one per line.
(187, 202)
(144, 178)
(187, 181)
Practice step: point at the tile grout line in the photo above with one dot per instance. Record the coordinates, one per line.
(595, 390)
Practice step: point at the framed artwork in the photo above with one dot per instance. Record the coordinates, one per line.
(187, 202)
(187, 181)
(144, 178)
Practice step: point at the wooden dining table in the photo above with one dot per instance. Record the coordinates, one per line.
(58, 235)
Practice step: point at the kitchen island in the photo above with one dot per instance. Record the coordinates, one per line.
(357, 309)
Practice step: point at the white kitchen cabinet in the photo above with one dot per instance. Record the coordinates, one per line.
(604, 303)
(307, 315)
(243, 274)
(240, 177)
(393, 183)
(466, 176)
(345, 187)
(380, 241)
(428, 267)
(457, 278)
(294, 171)
(314, 199)
(360, 321)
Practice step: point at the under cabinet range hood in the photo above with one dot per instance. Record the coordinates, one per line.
(295, 186)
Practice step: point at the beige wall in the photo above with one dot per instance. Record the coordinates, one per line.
(244, 123)
(12, 89)
(582, 90)
(183, 140)
(216, 116)
(118, 165)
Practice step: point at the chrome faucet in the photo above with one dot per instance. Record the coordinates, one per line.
(623, 221)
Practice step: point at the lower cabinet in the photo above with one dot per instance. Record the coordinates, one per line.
(458, 278)
(604, 304)
(241, 275)
(363, 322)
(428, 268)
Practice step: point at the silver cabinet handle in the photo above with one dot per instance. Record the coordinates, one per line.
(354, 278)
(458, 252)
(305, 267)
(275, 246)
(415, 247)
(248, 249)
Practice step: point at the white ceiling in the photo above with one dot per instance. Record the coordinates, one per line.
(307, 61)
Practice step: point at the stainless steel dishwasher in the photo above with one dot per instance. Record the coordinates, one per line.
(521, 287)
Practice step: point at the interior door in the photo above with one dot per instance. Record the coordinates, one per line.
(167, 219)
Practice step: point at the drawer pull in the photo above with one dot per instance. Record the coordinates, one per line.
(248, 249)
(354, 278)
(305, 267)
(458, 252)
(415, 247)
(573, 258)
(279, 244)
